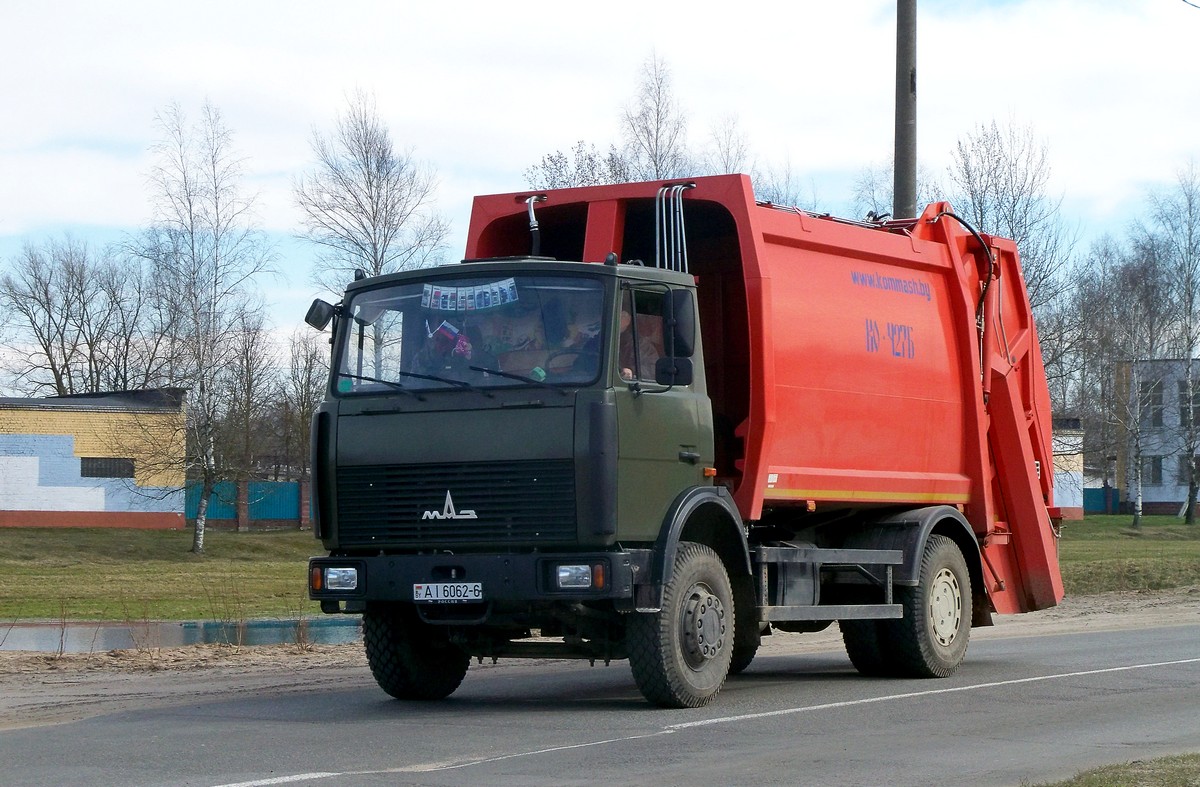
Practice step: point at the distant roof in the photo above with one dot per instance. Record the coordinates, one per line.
(147, 399)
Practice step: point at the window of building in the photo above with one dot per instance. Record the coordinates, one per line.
(1182, 474)
(1152, 402)
(1152, 470)
(1187, 414)
(105, 467)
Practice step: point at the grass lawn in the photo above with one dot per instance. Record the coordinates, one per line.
(1102, 553)
(137, 575)
(1182, 771)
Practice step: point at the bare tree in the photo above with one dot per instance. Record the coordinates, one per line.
(655, 128)
(781, 186)
(872, 197)
(1002, 176)
(585, 166)
(142, 346)
(728, 150)
(303, 389)
(365, 205)
(1090, 391)
(1175, 232)
(81, 322)
(253, 383)
(43, 295)
(1139, 311)
(206, 252)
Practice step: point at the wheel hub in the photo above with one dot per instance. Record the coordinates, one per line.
(945, 607)
(703, 625)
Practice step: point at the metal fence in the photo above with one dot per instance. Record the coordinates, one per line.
(1101, 501)
(269, 500)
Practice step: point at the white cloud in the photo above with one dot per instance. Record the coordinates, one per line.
(482, 90)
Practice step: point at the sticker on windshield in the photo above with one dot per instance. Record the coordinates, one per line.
(461, 299)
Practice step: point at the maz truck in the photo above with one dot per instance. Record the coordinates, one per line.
(660, 421)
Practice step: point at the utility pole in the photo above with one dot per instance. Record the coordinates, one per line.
(904, 165)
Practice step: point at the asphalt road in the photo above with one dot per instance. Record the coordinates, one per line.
(1020, 708)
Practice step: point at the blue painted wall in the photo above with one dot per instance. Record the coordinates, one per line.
(40, 472)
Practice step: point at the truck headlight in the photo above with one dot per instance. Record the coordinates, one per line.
(580, 576)
(574, 576)
(341, 579)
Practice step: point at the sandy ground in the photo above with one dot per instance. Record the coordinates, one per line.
(37, 688)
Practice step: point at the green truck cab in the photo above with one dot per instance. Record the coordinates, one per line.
(501, 445)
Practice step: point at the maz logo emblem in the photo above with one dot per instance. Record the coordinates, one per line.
(448, 511)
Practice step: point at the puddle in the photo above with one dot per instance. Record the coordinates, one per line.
(100, 637)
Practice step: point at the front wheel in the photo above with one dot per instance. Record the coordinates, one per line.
(680, 655)
(410, 659)
(930, 641)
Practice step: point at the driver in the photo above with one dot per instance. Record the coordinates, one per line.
(647, 352)
(445, 347)
(448, 348)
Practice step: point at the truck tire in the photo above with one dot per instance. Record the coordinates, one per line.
(747, 633)
(863, 646)
(411, 660)
(680, 655)
(930, 641)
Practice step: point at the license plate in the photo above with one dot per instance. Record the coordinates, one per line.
(448, 592)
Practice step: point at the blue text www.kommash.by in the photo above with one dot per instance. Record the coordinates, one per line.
(892, 284)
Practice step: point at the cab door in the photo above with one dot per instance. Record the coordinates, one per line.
(664, 432)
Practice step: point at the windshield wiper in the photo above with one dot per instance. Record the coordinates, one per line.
(520, 377)
(448, 381)
(389, 383)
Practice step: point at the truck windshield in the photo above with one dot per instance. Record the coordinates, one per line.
(471, 333)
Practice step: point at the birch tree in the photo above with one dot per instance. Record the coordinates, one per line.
(1140, 293)
(655, 127)
(205, 251)
(1175, 231)
(728, 149)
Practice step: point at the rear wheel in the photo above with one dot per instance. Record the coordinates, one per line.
(930, 641)
(864, 647)
(680, 655)
(747, 633)
(410, 659)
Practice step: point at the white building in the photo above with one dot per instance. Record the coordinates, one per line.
(1165, 416)
(1068, 467)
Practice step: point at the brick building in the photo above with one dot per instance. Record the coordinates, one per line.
(93, 460)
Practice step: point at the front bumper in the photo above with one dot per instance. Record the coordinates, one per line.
(504, 578)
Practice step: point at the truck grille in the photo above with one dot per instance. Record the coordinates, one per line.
(530, 502)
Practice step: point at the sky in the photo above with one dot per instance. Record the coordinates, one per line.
(481, 90)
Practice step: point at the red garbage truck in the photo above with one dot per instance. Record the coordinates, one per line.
(660, 421)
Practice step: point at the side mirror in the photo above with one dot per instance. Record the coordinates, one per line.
(679, 323)
(673, 371)
(319, 314)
